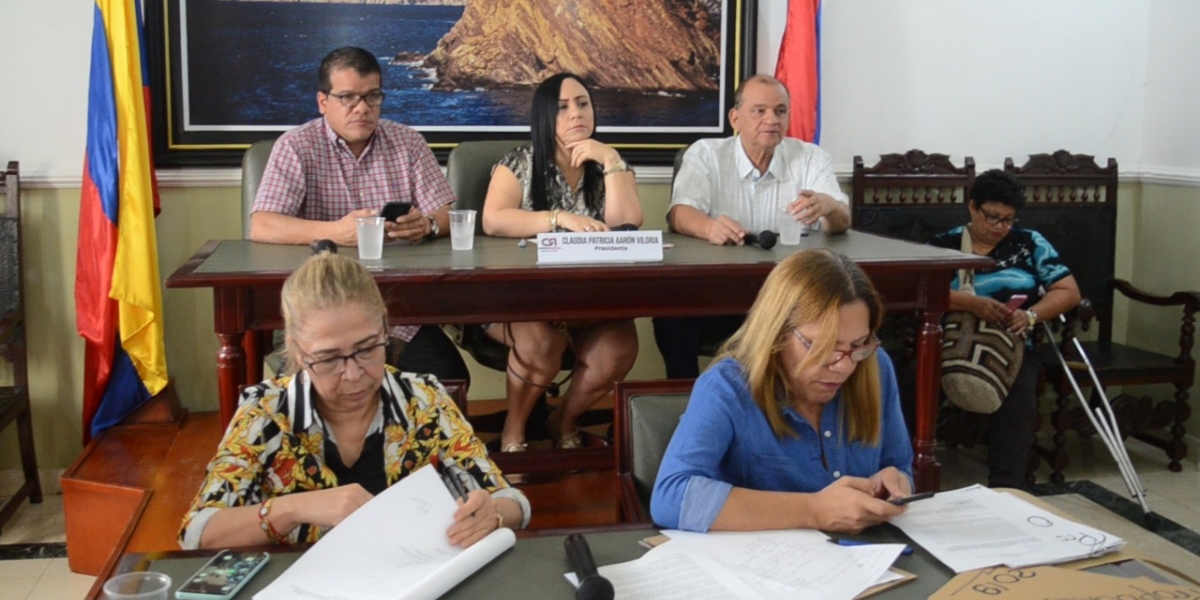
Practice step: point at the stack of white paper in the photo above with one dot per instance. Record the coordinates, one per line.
(756, 565)
(976, 527)
(393, 547)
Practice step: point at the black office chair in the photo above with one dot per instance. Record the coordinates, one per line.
(469, 171)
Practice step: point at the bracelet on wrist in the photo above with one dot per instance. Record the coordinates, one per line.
(1032, 316)
(553, 220)
(620, 167)
(264, 522)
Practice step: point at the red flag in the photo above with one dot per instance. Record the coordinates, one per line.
(799, 68)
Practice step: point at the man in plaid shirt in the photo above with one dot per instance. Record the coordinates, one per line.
(348, 164)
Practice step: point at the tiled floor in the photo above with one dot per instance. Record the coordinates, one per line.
(1175, 496)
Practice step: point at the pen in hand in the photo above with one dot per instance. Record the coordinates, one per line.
(848, 542)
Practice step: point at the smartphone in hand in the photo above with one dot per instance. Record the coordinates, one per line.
(222, 576)
(394, 210)
(1015, 301)
(911, 498)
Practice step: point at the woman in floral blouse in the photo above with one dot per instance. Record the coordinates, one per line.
(565, 180)
(306, 450)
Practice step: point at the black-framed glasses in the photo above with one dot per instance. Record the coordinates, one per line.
(994, 219)
(337, 364)
(856, 354)
(372, 99)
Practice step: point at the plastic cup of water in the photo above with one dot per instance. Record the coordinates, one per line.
(143, 585)
(462, 229)
(790, 230)
(370, 238)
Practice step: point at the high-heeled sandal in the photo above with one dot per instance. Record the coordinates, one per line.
(514, 447)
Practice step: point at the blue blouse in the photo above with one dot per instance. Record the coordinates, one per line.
(724, 441)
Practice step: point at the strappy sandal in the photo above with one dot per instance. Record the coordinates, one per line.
(514, 447)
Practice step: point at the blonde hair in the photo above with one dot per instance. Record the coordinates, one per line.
(324, 281)
(810, 286)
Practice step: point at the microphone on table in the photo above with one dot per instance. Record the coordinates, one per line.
(765, 240)
(592, 586)
(625, 227)
(319, 246)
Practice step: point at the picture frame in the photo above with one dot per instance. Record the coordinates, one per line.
(225, 74)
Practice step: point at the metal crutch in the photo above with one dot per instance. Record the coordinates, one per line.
(1106, 428)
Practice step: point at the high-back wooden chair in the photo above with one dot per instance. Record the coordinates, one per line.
(1072, 201)
(913, 196)
(14, 397)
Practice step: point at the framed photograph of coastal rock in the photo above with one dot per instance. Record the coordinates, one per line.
(227, 73)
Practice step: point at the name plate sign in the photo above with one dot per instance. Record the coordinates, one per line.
(599, 247)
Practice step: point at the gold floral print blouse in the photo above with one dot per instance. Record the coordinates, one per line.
(275, 446)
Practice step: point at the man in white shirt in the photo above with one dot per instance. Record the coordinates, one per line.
(729, 187)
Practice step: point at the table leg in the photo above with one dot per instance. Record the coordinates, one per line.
(927, 469)
(231, 373)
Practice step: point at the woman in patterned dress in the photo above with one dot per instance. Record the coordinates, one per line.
(307, 449)
(564, 180)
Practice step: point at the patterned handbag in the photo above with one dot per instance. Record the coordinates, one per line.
(980, 359)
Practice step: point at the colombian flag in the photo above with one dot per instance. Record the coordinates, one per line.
(118, 298)
(799, 68)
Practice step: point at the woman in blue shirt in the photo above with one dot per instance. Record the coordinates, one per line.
(797, 424)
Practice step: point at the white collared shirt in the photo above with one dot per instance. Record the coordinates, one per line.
(717, 178)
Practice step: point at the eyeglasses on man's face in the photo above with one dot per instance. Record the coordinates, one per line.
(856, 354)
(992, 218)
(373, 99)
(363, 357)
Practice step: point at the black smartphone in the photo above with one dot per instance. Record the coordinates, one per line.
(222, 576)
(394, 210)
(911, 498)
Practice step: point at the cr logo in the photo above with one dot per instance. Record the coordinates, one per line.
(549, 242)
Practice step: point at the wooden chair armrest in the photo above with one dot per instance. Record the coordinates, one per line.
(1189, 300)
(630, 507)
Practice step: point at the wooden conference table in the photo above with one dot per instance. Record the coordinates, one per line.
(498, 281)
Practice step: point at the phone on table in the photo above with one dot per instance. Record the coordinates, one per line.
(911, 498)
(1015, 301)
(394, 210)
(222, 576)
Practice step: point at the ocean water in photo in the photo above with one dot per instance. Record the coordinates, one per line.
(255, 63)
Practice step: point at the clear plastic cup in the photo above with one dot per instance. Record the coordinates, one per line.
(790, 230)
(462, 229)
(370, 238)
(143, 585)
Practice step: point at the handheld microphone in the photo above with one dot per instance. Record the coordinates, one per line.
(592, 586)
(319, 246)
(765, 240)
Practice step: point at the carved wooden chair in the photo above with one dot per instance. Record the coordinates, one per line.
(913, 196)
(1072, 201)
(14, 392)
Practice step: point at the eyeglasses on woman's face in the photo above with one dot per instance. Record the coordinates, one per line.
(856, 354)
(364, 357)
(993, 219)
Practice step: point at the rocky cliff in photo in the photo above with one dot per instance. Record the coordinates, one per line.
(647, 46)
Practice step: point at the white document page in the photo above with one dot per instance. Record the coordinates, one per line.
(975, 527)
(664, 574)
(394, 547)
(794, 563)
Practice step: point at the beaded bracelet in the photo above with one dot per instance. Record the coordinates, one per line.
(265, 523)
